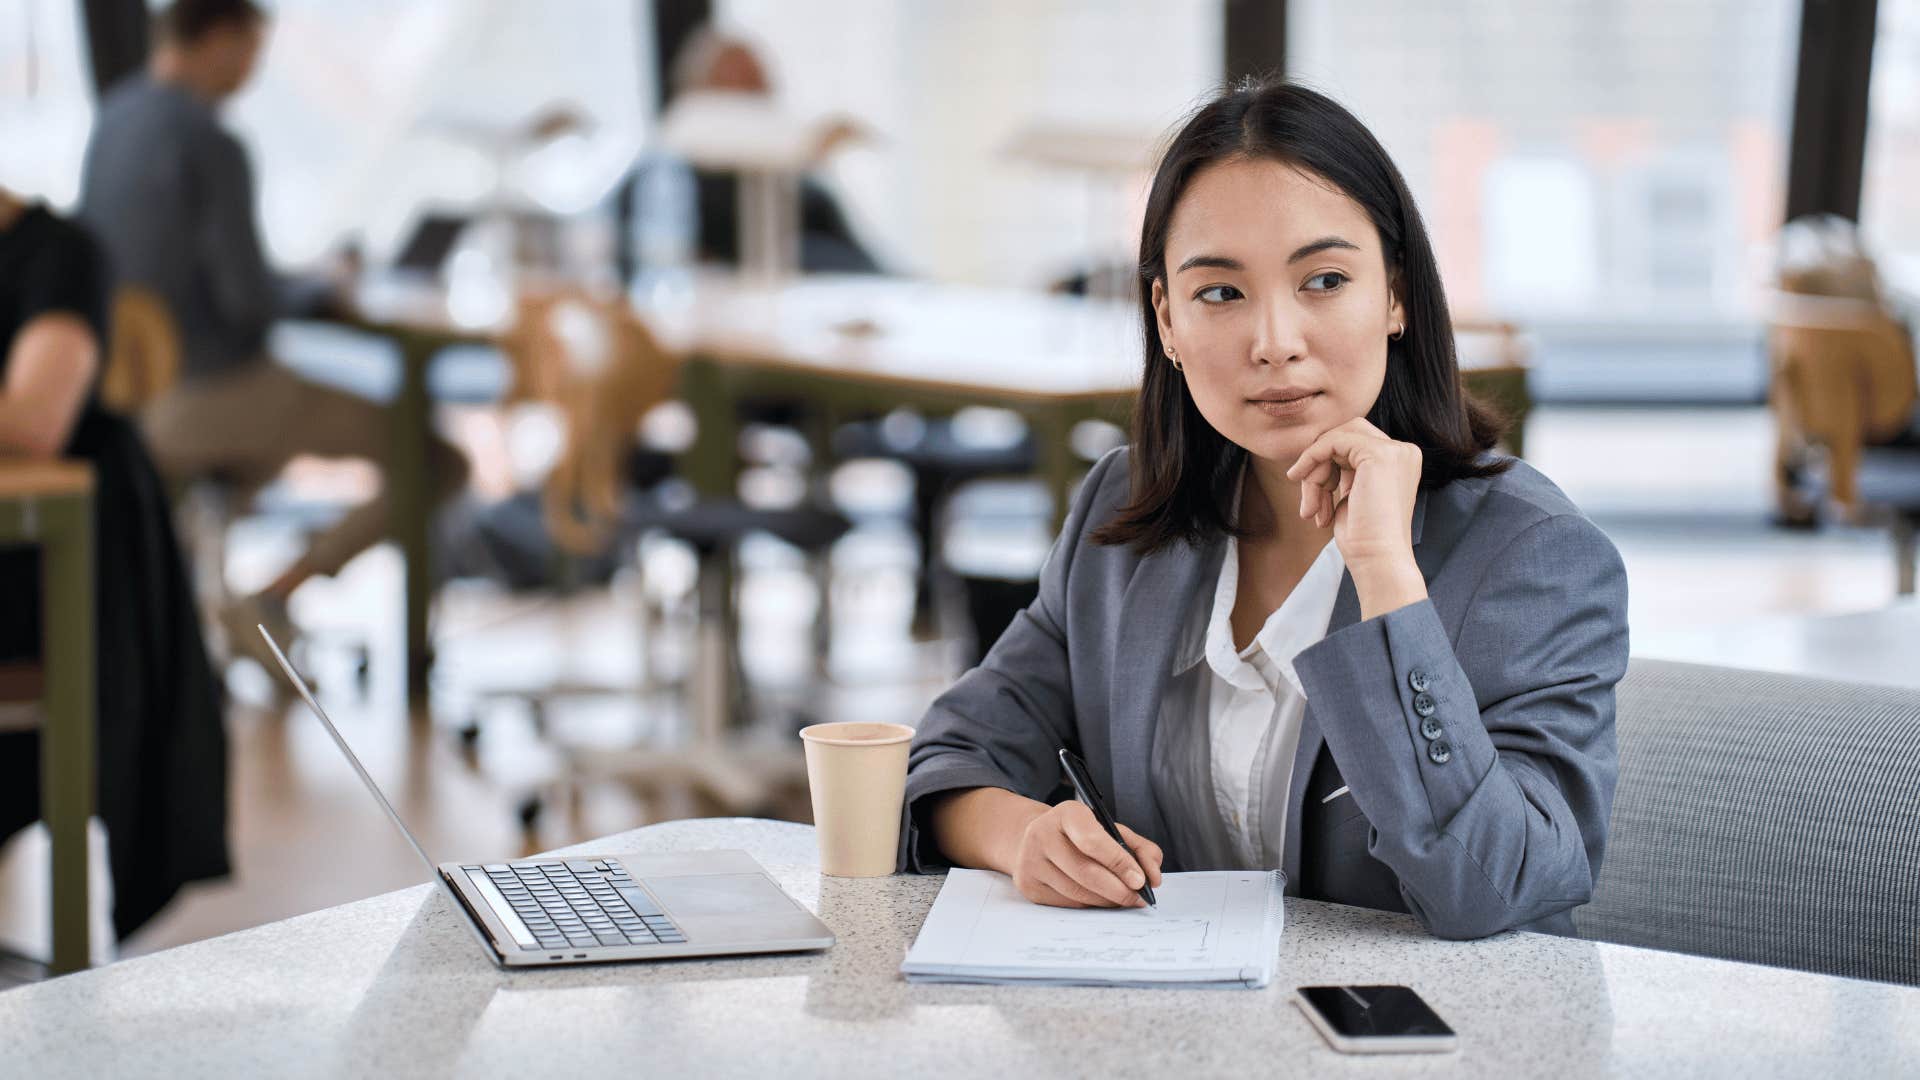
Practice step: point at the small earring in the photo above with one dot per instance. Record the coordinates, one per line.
(1174, 359)
(1398, 332)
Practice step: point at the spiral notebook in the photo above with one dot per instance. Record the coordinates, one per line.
(1216, 928)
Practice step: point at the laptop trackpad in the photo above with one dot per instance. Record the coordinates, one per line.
(705, 896)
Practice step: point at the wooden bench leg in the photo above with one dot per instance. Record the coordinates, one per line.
(67, 761)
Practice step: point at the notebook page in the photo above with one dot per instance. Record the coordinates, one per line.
(1206, 922)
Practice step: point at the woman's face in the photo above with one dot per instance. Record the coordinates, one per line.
(1277, 303)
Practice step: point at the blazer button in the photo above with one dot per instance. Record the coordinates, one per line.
(1423, 704)
(1419, 681)
(1430, 728)
(1440, 751)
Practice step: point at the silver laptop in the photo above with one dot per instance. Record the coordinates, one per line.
(595, 908)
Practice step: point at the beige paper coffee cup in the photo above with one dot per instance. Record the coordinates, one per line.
(857, 775)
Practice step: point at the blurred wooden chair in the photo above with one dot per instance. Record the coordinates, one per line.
(1495, 372)
(593, 361)
(599, 366)
(143, 358)
(1841, 379)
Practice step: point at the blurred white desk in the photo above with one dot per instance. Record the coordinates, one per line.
(1881, 646)
(393, 986)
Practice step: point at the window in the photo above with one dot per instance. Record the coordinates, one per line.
(364, 111)
(46, 99)
(1601, 160)
(1890, 196)
(948, 87)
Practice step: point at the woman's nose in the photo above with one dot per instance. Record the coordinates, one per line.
(1282, 334)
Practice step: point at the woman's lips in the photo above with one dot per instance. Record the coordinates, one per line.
(1291, 407)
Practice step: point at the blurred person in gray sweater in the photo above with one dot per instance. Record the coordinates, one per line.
(170, 193)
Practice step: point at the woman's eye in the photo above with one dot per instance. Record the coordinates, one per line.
(1217, 294)
(1331, 280)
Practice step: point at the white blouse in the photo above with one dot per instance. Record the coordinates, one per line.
(1253, 700)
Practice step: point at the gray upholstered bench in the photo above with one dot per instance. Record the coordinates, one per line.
(1767, 818)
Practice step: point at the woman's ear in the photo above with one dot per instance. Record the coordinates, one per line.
(1160, 312)
(1396, 312)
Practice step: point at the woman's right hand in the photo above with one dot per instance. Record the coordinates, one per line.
(1065, 859)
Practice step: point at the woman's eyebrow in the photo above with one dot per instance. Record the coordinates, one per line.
(1223, 262)
(1320, 245)
(1218, 262)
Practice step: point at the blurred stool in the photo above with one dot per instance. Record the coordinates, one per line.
(598, 365)
(942, 453)
(1888, 481)
(995, 539)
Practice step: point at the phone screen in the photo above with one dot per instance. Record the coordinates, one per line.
(1374, 1011)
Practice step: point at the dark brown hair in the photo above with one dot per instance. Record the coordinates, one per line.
(1184, 471)
(187, 21)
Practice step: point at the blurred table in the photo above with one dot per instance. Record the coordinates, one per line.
(420, 326)
(394, 985)
(50, 504)
(848, 346)
(863, 344)
(1865, 647)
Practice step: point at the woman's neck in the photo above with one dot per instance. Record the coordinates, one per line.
(11, 209)
(1270, 510)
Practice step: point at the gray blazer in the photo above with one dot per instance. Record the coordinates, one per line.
(1498, 821)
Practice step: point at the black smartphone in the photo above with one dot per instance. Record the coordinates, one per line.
(1375, 1019)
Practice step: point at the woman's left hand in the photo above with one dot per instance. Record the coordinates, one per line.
(1365, 484)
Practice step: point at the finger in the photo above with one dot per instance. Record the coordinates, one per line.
(1086, 833)
(1313, 489)
(1099, 863)
(1366, 427)
(1042, 893)
(1331, 443)
(1329, 497)
(1310, 458)
(1347, 447)
(1066, 884)
(1340, 495)
(1320, 473)
(1148, 852)
(1330, 483)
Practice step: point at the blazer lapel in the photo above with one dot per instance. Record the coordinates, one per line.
(1152, 616)
(1346, 612)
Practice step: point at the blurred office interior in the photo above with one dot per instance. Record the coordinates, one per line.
(893, 365)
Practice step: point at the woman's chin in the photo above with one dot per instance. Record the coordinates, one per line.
(1280, 448)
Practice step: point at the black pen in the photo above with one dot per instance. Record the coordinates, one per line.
(1083, 786)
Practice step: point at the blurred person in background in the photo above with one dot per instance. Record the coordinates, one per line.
(171, 194)
(161, 751)
(713, 62)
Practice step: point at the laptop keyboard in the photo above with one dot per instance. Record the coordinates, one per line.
(581, 903)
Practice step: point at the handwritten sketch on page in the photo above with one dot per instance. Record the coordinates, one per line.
(1212, 928)
(1011, 930)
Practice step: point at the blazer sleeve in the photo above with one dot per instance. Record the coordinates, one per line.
(1498, 819)
(1003, 722)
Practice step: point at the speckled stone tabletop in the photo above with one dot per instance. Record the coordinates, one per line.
(394, 986)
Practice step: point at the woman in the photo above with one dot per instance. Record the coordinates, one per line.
(1306, 620)
(162, 752)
